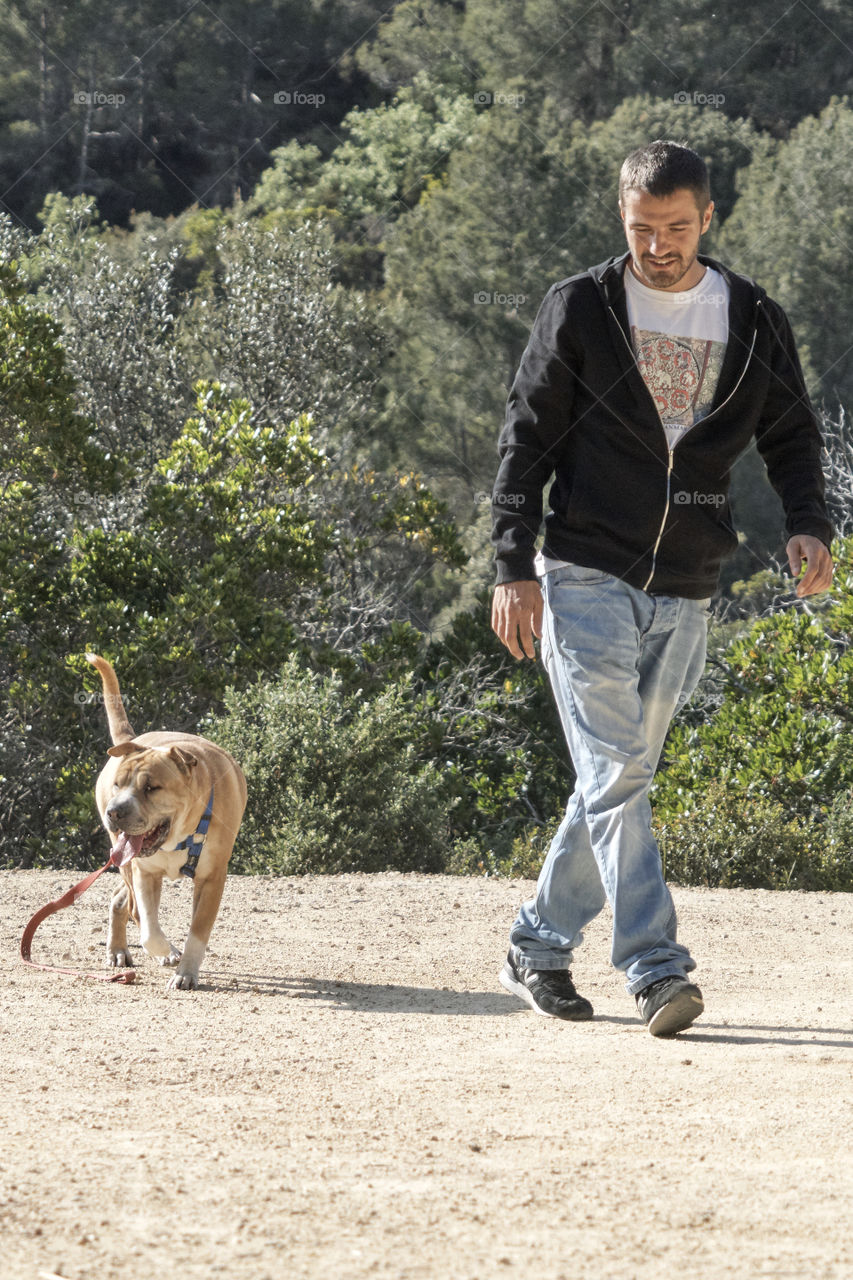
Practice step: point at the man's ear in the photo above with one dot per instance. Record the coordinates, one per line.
(706, 217)
(125, 748)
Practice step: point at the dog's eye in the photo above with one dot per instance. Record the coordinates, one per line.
(150, 786)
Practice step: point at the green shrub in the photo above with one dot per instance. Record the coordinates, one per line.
(524, 858)
(729, 841)
(493, 725)
(781, 739)
(758, 794)
(837, 858)
(335, 783)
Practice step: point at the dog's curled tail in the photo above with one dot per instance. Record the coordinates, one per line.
(120, 730)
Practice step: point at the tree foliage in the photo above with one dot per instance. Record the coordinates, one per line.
(146, 107)
(43, 437)
(381, 165)
(774, 66)
(791, 228)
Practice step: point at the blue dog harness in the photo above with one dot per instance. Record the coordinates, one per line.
(195, 843)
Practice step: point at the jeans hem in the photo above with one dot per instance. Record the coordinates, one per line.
(636, 985)
(553, 965)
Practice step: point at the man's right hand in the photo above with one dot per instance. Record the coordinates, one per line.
(517, 616)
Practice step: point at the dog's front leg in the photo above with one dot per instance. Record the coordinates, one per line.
(117, 952)
(147, 886)
(207, 895)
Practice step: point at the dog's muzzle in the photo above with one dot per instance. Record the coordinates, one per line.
(140, 845)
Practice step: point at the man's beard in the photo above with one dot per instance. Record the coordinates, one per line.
(663, 277)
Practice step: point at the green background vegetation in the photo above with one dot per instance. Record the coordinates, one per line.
(266, 273)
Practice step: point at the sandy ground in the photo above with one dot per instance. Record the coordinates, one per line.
(352, 1094)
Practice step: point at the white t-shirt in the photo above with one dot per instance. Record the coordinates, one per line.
(679, 340)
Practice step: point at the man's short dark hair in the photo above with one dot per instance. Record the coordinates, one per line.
(664, 167)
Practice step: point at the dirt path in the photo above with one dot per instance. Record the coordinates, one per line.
(352, 1094)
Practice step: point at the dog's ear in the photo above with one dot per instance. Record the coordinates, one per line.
(124, 748)
(184, 759)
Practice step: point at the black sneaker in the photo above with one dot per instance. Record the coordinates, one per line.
(550, 992)
(669, 1005)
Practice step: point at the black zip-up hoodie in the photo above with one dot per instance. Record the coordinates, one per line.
(579, 409)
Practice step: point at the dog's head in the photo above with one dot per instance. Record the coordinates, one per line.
(151, 794)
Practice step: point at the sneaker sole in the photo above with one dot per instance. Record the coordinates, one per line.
(677, 1014)
(515, 988)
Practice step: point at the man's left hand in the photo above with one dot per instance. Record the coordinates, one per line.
(818, 575)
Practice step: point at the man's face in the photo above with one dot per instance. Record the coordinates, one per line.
(663, 237)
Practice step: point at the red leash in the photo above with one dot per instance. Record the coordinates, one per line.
(127, 975)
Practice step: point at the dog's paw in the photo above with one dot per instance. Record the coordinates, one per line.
(183, 982)
(119, 960)
(169, 961)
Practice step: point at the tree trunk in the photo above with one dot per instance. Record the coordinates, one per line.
(43, 77)
(87, 127)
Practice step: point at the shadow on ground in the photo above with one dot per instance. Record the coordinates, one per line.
(367, 995)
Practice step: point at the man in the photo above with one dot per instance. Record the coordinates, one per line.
(644, 379)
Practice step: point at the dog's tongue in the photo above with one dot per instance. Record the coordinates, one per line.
(125, 848)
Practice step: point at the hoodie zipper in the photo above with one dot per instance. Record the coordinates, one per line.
(670, 451)
(662, 523)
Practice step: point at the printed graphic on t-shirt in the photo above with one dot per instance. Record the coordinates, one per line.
(681, 374)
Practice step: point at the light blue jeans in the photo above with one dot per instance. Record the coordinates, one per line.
(621, 663)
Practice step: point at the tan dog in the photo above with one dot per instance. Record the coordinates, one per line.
(153, 796)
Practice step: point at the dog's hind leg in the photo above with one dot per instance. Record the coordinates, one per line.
(118, 955)
(207, 895)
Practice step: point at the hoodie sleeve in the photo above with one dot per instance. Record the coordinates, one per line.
(537, 420)
(788, 437)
